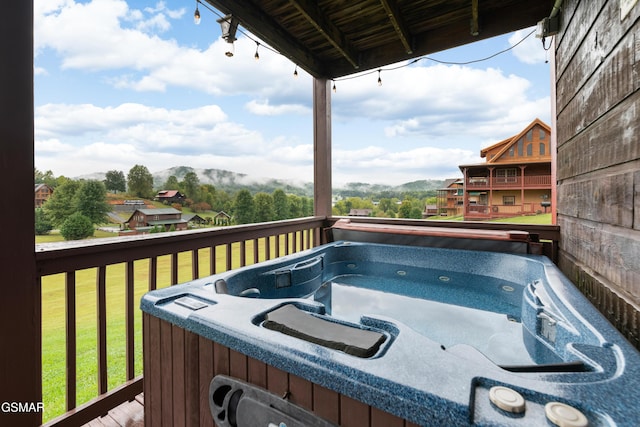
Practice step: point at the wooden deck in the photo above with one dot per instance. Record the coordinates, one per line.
(129, 414)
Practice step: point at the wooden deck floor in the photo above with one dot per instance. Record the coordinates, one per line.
(129, 414)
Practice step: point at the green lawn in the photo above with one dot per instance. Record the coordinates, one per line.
(53, 321)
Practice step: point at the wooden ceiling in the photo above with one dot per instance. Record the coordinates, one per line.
(334, 38)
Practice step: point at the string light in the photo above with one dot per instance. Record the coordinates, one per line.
(196, 14)
(196, 17)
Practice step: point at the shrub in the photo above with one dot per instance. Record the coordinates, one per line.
(43, 225)
(76, 227)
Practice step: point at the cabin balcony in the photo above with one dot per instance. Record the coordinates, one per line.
(509, 182)
(83, 378)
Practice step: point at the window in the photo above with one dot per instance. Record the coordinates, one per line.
(530, 135)
(543, 134)
(542, 148)
(508, 200)
(512, 151)
(529, 149)
(506, 175)
(520, 146)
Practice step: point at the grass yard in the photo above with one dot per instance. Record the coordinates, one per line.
(53, 321)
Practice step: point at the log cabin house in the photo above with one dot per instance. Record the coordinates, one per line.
(515, 179)
(594, 148)
(42, 192)
(450, 198)
(146, 219)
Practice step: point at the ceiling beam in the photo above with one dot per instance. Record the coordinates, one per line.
(475, 27)
(398, 23)
(265, 28)
(312, 13)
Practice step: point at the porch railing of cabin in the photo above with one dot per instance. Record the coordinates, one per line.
(278, 238)
(275, 238)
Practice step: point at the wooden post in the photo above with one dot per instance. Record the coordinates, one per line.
(322, 147)
(20, 333)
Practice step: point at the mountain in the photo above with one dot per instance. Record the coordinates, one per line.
(232, 182)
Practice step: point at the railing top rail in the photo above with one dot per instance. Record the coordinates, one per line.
(548, 232)
(52, 258)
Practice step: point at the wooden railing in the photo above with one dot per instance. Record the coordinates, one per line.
(509, 182)
(167, 255)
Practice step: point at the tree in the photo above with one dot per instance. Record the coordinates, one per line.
(140, 181)
(191, 184)
(76, 227)
(115, 181)
(295, 206)
(171, 183)
(263, 207)
(91, 201)
(280, 205)
(243, 207)
(61, 204)
(405, 209)
(43, 225)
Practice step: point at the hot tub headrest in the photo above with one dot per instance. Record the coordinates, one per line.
(292, 321)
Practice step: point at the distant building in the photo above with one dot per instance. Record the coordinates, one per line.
(515, 179)
(449, 199)
(42, 194)
(193, 219)
(360, 212)
(222, 218)
(144, 220)
(170, 196)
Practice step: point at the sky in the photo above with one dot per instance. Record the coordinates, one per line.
(126, 82)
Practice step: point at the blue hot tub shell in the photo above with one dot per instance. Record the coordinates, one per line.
(580, 359)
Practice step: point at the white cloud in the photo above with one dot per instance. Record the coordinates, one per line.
(263, 108)
(529, 51)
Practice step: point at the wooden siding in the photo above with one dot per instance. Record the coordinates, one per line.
(179, 365)
(597, 61)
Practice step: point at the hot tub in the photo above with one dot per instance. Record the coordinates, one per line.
(392, 334)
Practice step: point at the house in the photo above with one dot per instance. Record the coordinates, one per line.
(222, 218)
(42, 194)
(449, 199)
(360, 212)
(514, 180)
(193, 218)
(170, 196)
(429, 210)
(145, 219)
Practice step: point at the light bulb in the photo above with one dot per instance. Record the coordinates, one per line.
(295, 72)
(196, 16)
(257, 55)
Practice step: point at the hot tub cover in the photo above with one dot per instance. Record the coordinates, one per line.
(292, 321)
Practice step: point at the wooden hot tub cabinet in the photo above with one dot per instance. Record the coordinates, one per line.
(179, 365)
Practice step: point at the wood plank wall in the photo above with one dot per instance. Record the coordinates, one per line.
(179, 365)
(598, 156)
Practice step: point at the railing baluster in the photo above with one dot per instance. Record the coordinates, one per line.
(256, 255)
(286, 243)
(278, 245)
(70, 327)
(267, 248)
(212, 260)
(195, 264)
(130, 319)
(153, 273)
(229, 256)
(243, 253)
(101, 293)
(174, 268)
